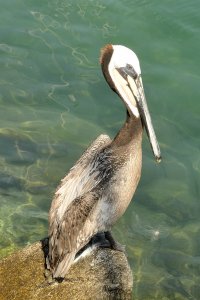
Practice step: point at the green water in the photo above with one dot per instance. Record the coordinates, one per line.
(54, 102)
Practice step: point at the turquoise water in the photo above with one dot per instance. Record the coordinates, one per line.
(54, 102)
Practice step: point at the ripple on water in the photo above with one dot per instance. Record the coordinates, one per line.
(151, 229)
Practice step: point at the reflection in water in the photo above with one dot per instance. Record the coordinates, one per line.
(148, 231)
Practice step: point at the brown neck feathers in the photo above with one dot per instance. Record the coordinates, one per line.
(105, 57)
(131, 132)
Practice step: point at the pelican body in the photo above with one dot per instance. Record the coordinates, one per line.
(98, 189)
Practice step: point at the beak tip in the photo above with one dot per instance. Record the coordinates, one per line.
(158, 159)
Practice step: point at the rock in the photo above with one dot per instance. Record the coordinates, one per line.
(104, 274)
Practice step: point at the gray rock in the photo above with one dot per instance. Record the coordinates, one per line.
(105, 274)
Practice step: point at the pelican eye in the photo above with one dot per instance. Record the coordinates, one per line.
(131, 71)
(127, 70)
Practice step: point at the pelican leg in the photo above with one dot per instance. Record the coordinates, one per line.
(114, 244)
(99, 240)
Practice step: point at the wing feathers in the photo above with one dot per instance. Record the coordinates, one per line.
(64, 241)
(71, 206)
(79, 179)
(64, 266)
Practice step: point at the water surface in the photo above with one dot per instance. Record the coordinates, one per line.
(54, 102)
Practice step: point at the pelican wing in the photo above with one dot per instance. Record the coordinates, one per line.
(67, 238)
(70, 204)
(80, 179)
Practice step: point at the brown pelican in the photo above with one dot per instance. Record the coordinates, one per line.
(100, 186)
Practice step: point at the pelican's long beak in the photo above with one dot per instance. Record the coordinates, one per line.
(128, 85)
(136, 87)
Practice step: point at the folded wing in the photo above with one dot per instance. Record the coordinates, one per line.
(70, 206)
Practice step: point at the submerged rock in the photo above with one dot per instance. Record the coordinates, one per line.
(105, 274)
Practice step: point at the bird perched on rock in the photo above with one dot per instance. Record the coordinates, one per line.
(99, 187)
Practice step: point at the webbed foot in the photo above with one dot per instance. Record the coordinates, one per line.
(114, 244)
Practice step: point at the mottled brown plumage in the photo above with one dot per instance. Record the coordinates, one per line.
(100, 186)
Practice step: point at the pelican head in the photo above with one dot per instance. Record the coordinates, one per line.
(121, 69)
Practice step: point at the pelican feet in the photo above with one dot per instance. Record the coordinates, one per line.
(102, 240)
(114, 244)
